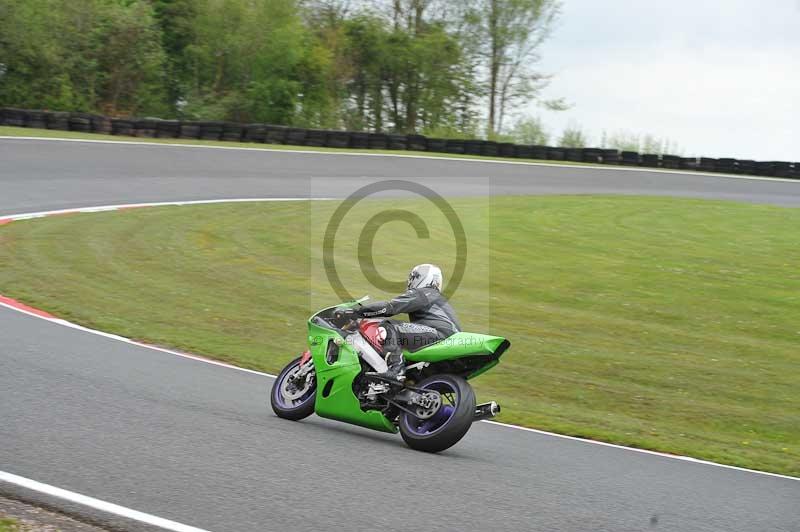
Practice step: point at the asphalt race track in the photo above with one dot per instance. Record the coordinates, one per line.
(198, 444)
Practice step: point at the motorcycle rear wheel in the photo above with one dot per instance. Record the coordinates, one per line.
(449, 424)
(293, 408)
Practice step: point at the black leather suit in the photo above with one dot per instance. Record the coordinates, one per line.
(431, 319)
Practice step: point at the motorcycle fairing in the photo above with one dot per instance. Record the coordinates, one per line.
(485, 348)
(335, 397)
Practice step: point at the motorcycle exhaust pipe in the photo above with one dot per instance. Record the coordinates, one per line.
(486, 411)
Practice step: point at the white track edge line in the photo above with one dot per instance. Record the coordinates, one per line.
(643, 451)
(413, 156)
(105, 208)
(97, 504)
(110, 336)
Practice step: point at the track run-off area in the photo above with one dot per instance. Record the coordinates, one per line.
(133, 436)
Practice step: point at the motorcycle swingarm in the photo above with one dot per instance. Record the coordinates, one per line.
(406, 397)
(396, 384)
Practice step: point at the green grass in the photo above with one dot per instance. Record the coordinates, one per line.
(667, 324)
(8, 525)
(8, 131)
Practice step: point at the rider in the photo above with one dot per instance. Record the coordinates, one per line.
(431, 317)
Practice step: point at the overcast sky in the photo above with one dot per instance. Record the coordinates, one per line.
(718, 77)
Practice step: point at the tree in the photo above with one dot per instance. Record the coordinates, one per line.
(530, 131)
(254, 60)
(375, 65)
(407, 73)
(508, 36)
(130, 60)
(175, 18)
(37, 51)
(573, 137)
(81, 56)
(627, 141)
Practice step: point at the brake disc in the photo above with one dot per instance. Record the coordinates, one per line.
(296, 392)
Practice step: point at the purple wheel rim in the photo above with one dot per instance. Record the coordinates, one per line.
(432, 425)
(282, 401)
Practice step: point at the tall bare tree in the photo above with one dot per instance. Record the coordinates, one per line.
(507, 36)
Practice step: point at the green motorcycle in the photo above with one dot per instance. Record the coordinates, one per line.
(433, 408)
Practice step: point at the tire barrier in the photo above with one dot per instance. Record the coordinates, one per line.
(472, 147)
(574, 155)
(254, 133)
(650, 160)
(707, 164)
(417, 143)
(338, 139)
(505, 149)
(296, 136)
(57, 121)
(555, 154)
(397, 142)
(523, 151)
(321, 138)
(189, 130)
(316, 138)
(80, 122)
(168, 129)
(101, 124)
(592, 155)
(37, 119)
(276, 134)
(377, 141)
(232, 132)
(489, 149)
(210, 130)
(122, 127)
(443, 146)
(611, 156)
(145, 128)
(359, 141)
(13, 117)
(539, 152)
(630, 158)
(749, 167)
(455, 146)
(672, 162)
(726, 165)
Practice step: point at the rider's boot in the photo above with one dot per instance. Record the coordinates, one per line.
(396, 370)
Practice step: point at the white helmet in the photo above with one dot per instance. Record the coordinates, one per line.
(425, 275)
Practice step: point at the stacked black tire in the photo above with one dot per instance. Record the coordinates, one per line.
(318, 138)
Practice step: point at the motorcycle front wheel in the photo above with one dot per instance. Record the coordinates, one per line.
(292, 397)
(449, 424)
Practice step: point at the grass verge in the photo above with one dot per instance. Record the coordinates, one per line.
(667, 324)
(8, 131)
(9, 525)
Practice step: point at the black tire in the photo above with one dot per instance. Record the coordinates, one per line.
(453, 429)
(299, 411)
